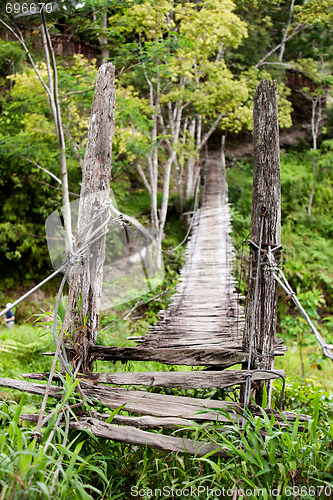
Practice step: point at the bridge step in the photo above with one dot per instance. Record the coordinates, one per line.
(138, 437)
(184, 356)
(158, 405)
(156, 411)
(191, 356)
(182, 379)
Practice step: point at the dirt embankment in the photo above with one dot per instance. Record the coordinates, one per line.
(242, 147)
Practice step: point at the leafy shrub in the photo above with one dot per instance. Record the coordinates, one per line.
(302, 393)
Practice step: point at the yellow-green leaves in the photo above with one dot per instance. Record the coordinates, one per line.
(316, 11)
(210, 24)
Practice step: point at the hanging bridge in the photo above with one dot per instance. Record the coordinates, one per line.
(203, 327)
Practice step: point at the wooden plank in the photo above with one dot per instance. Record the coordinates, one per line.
(30, 387)
(183, 380)
(139, 437)
(143, 438)
(171, 356)
(159, 405)
(136, 401)
(144, 422)
(192, 342)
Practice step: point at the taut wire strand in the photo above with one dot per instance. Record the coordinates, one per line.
(248, 379)
(327, 348)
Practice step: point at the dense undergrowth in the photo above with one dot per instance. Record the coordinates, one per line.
(264, 461)
(307, 257)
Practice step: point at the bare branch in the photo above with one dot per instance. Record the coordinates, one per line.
(285, 33)
(133, 221)
(220, 53)
(151, 88)
(296, 30)
(210, 131)
(141, 302)
(286, 65)
(164, 130)
(42, 168)
(74, 144)
(20, 38)
(48, 66)
(76, 92)
(55, 187)
(144, 178)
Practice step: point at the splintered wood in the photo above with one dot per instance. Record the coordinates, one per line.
(204, 312)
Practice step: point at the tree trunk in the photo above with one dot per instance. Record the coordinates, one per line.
(103, 41)
(190, 166)
(86, 278)
(224, 168)
(52, 72)
(102, 38)
(316, 118)
(223, 152)
(166, 192)
(266, 217)
(313, 189)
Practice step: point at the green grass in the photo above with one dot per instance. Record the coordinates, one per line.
(25, 345)
(261, 456)
(315, 365)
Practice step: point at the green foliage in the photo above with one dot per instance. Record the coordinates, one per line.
(27, 470)
(175, 47)
(23, 348)
(11, 58)
(302, 394)
(316, 12)
(307, 254)
(259, 16)
(28, 133)
(266, 456)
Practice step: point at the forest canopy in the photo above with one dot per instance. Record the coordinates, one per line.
(186, 74)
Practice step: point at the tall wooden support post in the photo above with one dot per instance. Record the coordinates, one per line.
(261, 304)
(86, 277)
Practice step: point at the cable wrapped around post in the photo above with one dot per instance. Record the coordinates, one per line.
(261, 304)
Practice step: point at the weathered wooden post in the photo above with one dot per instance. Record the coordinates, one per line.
(86, 277)
(261, 304)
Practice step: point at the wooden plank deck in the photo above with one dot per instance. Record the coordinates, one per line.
(181, 379)
(204, 324)
(204, 312)
(157, 405)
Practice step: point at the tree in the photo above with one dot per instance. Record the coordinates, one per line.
(178, 69)
(29, 152)
(51, 88)
(317, 95)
